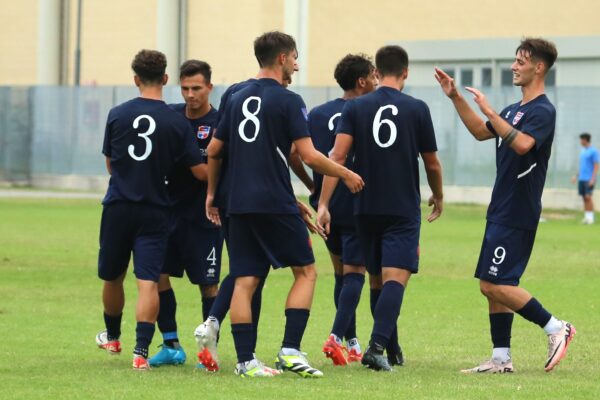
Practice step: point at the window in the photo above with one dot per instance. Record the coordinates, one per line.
(506, 77)
(486, 76)
(466, 77)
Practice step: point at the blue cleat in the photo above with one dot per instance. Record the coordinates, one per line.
(168, 356)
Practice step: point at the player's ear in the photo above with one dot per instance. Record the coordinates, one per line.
(405, 74)
(209, 86)
(165, 79)
(281, 58)
(361, 83)
(137, 81)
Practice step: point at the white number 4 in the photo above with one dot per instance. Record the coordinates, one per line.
(212, 257)
(377, 122)
(143, 135)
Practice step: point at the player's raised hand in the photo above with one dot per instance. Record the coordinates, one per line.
(354, 182)
(446, 82)
(212, 212)
(306, 215)
(438, 207)
(480, 100)
(323, 221)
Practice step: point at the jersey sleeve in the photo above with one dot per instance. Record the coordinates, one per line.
(539, 125)
(190, 152)
(595, 156)
(345, 123)
(426, 136)
(106, 148)
(297, 118)
(222, 132)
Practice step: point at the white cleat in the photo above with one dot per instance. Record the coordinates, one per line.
(558, 344)
(253, 369)
(491, 366)
(206, 335)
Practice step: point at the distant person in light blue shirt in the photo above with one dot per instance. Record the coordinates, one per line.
(586, 178)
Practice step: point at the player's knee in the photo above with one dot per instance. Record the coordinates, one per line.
(209, 290)
(308, 273)
(488, 289)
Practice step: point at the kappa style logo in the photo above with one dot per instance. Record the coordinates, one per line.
(493, 271)
(203, 132)
(518, 117)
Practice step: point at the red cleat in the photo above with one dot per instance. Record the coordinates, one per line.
(354, 355)
(140, 363)
(206, 359)
(335, 351)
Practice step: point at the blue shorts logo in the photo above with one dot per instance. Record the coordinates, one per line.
(203, 132)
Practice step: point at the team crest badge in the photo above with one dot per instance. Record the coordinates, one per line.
(517, 117)
(203, 132)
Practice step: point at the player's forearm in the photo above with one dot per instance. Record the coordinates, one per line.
(213, 172)
(298, 168)
(470, 119)
(433, 171)
(200, 172)
(518, 141)
(327, 189)
(594, 173)
(324, 166)
(108, 167)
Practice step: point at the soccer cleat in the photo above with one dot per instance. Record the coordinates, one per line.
(558, 344)
(253, 369)
(396, 358)
(354, 355)
(335, 351)
(491, 366)
(112, 347)
(168, 356)
(206, 335)
(296, 363)
(374, 359)
(140, 363)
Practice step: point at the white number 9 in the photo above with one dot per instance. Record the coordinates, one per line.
(144, 135)
(499, 255)
(377, 122)
(250, 116)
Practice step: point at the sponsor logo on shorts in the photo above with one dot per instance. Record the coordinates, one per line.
(493, 270)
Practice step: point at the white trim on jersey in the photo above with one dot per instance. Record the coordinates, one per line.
(282, 156)
(522, 174)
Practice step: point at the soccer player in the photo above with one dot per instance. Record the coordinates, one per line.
(355, 73)
(523, 133)
(207, 333)
(586, 178)
(388, 131)
(144, 139)
(259, 126)
(195, 243)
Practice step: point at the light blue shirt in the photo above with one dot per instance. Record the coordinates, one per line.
(587, 158)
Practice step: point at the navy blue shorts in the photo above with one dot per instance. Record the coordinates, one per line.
(504, 254)
(343, 241)
(334, 240)
(258, 241)
(195, 249)
(138, 228)
(389, 241)
(584, 189)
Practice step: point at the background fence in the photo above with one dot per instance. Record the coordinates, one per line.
(58, 131)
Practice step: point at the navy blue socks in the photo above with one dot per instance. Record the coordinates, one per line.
(534, 312)
(500, 329)
(243, 340)
(387, 311)
(113, 326)
(144, 332)
(220, 305)
(166, 317)
(207, 303)
(295, 324)
(348, 300)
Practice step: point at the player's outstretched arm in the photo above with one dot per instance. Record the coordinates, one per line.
(321, 164)
(518, 141)
(469, 117)
(215, 153)
(298, 167)
(433, 169)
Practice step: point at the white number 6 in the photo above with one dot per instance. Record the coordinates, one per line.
(499, 255)
(377, 122)
(144, 135)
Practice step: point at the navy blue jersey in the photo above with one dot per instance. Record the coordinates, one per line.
(517, 195)
(259, 125)
(221, 192)
(144, 139)
(322, 121)
(390, 129)
(187, 193)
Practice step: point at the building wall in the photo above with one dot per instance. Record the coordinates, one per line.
(221, 32)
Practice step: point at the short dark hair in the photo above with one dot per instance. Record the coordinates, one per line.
(539, 49)
(271, 44)
(391, 60)
(352, 67)
(149, 66)
(586, 136)
(195, 67)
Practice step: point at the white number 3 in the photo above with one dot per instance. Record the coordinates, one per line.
(377, 122)
(144, 135)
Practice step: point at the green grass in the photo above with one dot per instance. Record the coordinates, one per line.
(50, 311)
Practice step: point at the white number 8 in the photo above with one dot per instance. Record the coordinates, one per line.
(144, 135)
(377, 122)
(250, 116)
(499, 255)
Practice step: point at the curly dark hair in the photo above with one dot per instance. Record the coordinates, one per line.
(352, 67)
(149, 66)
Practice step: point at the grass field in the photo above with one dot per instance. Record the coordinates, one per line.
(50, 311)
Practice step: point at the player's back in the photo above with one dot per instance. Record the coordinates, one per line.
(259, 126)
(144, 138)
(390, 129)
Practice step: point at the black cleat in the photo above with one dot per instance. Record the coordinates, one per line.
(396, 359)
(374, 359)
